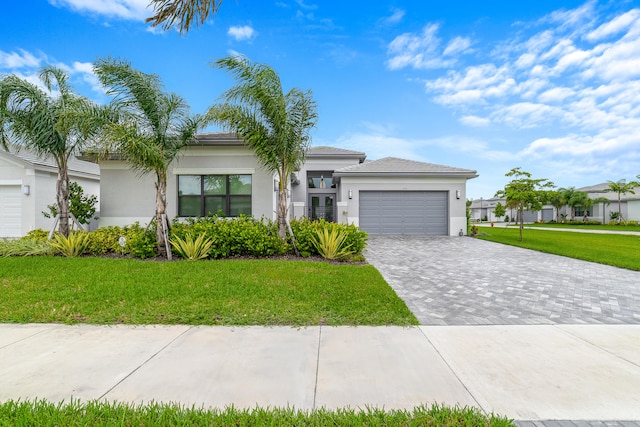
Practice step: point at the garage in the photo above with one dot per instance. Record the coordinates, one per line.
(10, 211)
(404, 212)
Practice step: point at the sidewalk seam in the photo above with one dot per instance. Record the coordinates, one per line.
(315, 386)
(603, 350)
(455, 374)
(26, 338)
(144, 363)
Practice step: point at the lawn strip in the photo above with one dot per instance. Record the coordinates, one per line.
(222, 292)
(611, 249)
(105, 413)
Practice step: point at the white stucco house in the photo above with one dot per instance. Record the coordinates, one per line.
(28, 186)
(220, 174)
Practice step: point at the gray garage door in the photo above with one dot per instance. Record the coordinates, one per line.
(10, 211)
(404, 212)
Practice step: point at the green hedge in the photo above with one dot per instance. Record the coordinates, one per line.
(234, 236)
(243, 236)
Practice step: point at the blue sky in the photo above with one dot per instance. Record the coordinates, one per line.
(550, 86)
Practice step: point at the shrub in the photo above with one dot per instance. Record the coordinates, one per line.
(138, 241)
(234, 236)
(72, 246)
(25, 246)
(192, 249)
(37, 234)
(306, 231)
(331, 244)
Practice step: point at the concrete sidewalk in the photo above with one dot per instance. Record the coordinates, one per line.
(547, 372)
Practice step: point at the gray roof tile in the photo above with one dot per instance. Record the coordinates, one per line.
(397, 166)
(32, 158)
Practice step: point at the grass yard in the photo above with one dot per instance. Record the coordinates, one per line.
(223, 292)
(611, 249)
(103, 414)
(584, 227)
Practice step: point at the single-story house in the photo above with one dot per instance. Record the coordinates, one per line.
(221, 174)
(483, 209)
(28, 186)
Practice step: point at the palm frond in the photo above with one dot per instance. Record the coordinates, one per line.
(182, 14)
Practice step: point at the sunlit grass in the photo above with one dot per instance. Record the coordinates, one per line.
(225, 292)
(154, 414)
(611, 249)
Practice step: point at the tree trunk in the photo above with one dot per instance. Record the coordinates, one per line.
(62, 197)
(282, 211)
(521, 210)
(162, 234)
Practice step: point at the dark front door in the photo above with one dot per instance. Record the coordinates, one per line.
(322, 206)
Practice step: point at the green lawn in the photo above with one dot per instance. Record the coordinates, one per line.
(118, 414)
(223, 292)
(612, 249)
(584, 227)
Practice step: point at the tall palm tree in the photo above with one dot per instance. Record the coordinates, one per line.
(274, 124)
(54, 123)
(621, 187)
(154, 127)
(556, 199)
(587, 203)
(572, 198)
(182, 13)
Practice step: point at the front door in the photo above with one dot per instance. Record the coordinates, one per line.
(322, 206)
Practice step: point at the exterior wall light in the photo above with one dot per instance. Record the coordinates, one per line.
(26, 190)
(350, 194)
(457, 194)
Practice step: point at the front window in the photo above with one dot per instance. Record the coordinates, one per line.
(224, 195)
(580, 211)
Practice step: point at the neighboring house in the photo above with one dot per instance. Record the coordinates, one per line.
(220, 174)
(28, 186)
(483, 209)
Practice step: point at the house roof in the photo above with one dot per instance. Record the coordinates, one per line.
(30, 158)
(404, 167)
(602, 190)
(218, 138)
(325, 151)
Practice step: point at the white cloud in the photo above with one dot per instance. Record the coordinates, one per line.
(457, 45)
(394, 18)
(565, 88)
(419, 51)
(20, 59)
(244, 32)
(615, 26)
(135, 10)
(475, 121)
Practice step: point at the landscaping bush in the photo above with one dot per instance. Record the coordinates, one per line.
(139, 242)
(306, 231)
(25, 246)
(233, 236)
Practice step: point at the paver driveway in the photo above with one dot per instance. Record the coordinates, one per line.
(465, 281)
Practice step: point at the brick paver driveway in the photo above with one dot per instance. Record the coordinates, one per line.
(466, 281)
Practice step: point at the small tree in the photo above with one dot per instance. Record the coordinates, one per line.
(588, 203)
(81, 206)
(621, 187)
(499, 210)
(525, 193)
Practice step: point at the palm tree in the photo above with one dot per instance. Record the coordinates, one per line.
(275, 125)
(153, 129)
(556, 199)
(572, 198)
(55, 126)
(621, 187)
(587, 203)
(182, 13)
